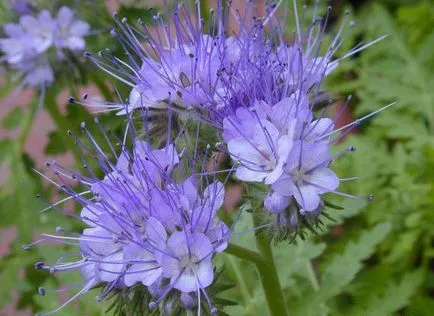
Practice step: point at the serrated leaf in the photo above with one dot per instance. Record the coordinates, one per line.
(339, 272)
(395, 296)
(344, 266)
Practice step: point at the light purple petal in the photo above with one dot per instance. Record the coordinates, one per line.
(112, 267)
(276, 203)
(324, 179)
(201, 277)
(308, 197)
(284, 185)
(214, 195)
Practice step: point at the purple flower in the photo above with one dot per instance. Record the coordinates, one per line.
(28, 43)
(188, 261)
(306, 174)
(143, 226)
(21, 7)
(261, 157)
(69, 32)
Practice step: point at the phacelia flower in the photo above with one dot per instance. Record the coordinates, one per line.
(28, 44)
(146, 225)
(258, 88)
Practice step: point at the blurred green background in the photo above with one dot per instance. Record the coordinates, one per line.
(376, 259)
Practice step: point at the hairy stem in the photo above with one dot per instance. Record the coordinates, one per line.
(268, 275)
(244, 253)
(264, 263)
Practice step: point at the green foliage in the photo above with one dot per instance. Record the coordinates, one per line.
(13, 118)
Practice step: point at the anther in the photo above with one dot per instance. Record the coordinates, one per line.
(41, 291)
(26, 247)
(370, 197)
(39, 265)
(152, 305)
(71, 100)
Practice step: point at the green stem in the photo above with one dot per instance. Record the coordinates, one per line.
(27, 125)
(244, 253)
(312, 276)
(268, 275)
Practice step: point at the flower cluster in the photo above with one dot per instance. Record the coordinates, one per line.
(144, 227)
(152, 220)
(27, 44)
(257, 88)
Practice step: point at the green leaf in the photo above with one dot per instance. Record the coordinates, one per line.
(344, 266)
(13, 118)
(55, 144)
(395, 296)
(339, 272)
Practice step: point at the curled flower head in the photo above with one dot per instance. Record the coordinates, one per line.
(28, 44)
(177, 65)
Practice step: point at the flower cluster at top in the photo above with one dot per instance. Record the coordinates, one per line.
(28, 45)
(260, 92)
(152, 220)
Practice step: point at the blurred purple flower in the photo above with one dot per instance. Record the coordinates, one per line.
(27, 45)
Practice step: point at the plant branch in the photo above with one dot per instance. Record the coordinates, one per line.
(268, 275)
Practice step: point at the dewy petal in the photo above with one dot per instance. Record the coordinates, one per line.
(324, 179)
(308, 197)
